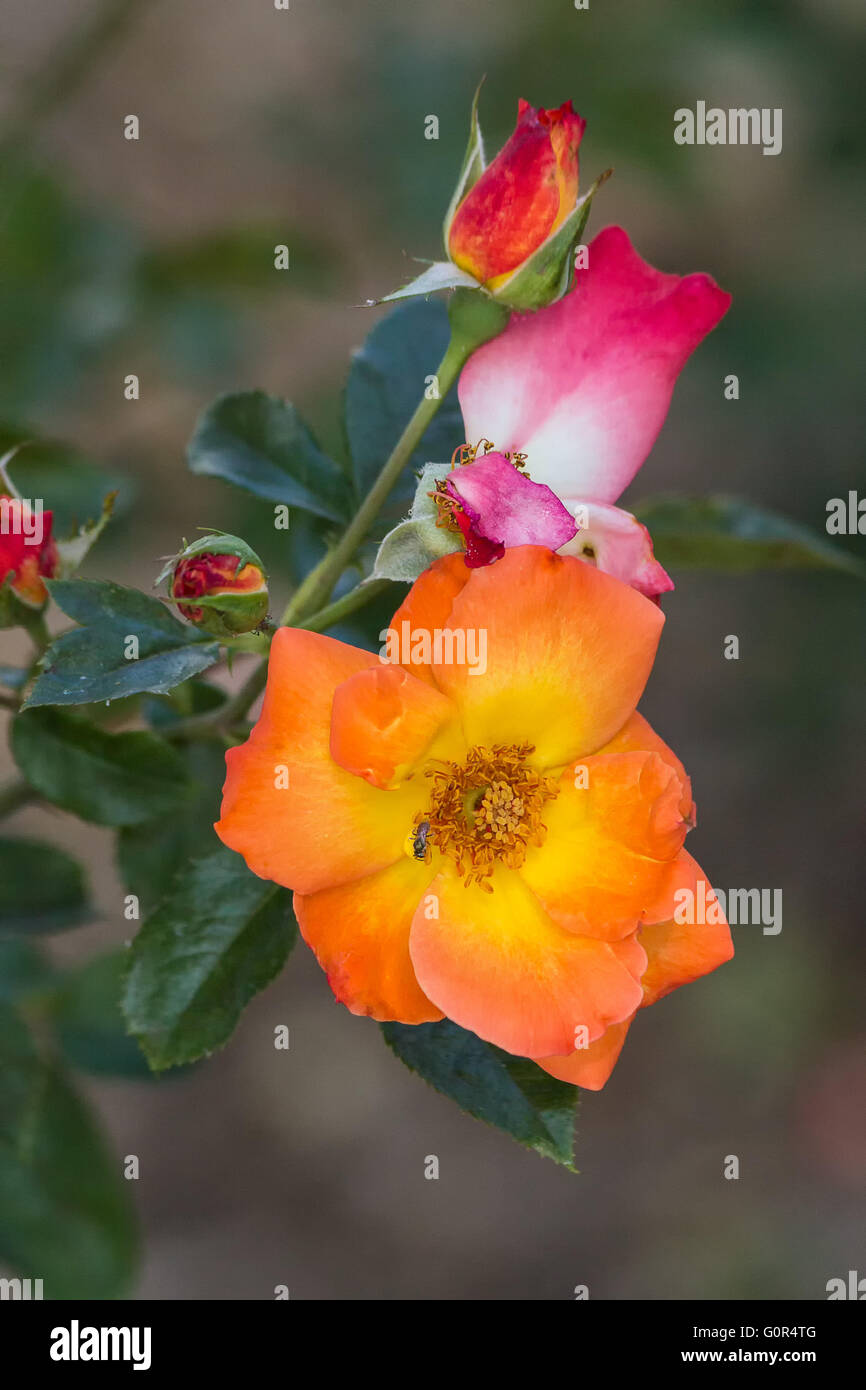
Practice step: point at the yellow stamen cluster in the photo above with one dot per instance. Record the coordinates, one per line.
(487, 811)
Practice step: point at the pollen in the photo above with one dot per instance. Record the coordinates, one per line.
(487, 810)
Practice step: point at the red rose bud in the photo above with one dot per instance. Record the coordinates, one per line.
(227, 582)
(521, 198)
(28, 554)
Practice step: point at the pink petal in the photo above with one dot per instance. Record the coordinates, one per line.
(583, 386)
(505, 508)
(616, 542)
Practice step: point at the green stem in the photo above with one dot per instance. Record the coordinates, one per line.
(320, 581)
(37, 629)
(475, 318)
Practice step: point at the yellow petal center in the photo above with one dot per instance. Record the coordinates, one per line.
(485, 811)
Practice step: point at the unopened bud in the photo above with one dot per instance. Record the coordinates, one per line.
(219, 584)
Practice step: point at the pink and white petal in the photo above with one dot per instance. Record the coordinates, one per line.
(506, 506)
(617, 543)
(583, 386)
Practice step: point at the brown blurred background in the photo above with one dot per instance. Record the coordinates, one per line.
(306, 1168)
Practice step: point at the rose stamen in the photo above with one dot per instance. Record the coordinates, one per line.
(487, 811)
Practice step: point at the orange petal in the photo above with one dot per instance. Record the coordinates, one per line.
(426, 608)
(612, 833)
(383, 721)
(678, 951)
(568, 653)
(360, 934)
(495, 963)
(591, 1066)
(294, 815)
(638, 735)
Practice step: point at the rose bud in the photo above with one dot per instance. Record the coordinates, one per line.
(28, 554)
(226, 582)
(504, 231)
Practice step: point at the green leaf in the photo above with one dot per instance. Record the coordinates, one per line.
(150, 855)
(90, 663)
(65, 1211)
(110, 779)
(89, 1023)
(386, 381)
(260, 443)
(728, 533)
(509, 1092)
(194, 697)
(24, 971)
(42, 888)
(220, 936)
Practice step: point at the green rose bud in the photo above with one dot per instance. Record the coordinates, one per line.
(219, 584)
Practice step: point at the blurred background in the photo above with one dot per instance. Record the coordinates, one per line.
(155, 257)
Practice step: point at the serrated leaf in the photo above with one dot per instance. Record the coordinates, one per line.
(218, 938)
(150, 854)
(387, 378)
(90, 662)
(728, 533)
(260, 443)
(65, 1213)
(509, 1092)
(42, 888)
(109, 779)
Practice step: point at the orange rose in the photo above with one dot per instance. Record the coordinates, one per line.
(498, 841)
(521, 198)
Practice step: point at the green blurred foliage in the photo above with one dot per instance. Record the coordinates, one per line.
(772, 741)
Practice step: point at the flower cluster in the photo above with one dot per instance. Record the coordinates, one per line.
(501, 843)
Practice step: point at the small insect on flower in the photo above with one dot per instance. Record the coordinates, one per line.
(419, 842)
